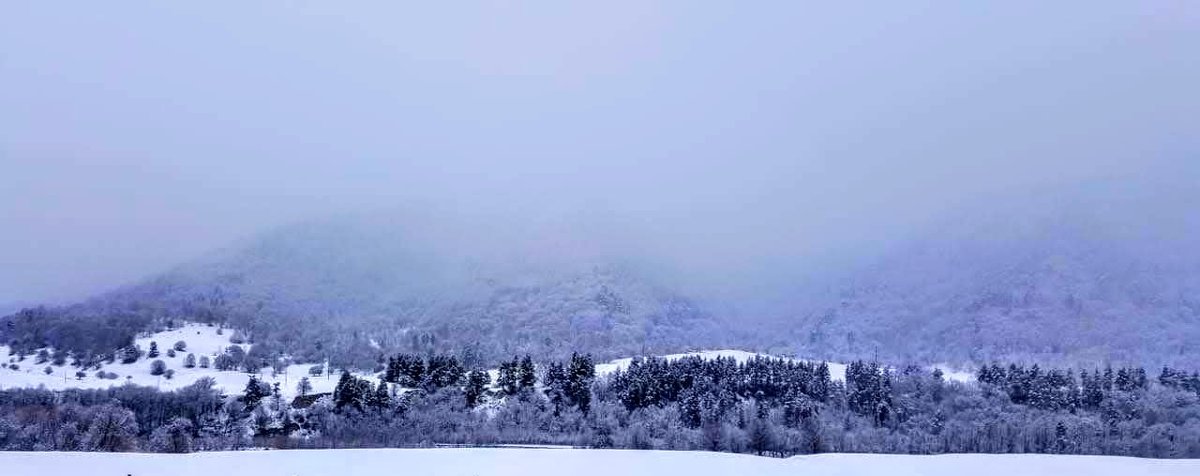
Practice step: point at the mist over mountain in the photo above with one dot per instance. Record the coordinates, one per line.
(1103, 272)
(354, 287)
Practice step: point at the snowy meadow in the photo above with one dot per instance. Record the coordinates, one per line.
(533, 462)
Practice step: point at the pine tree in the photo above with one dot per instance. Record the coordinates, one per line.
(304, 386)
(153, 350)
(443, 371)
(352, 391)
(821, 383)
(254, 393)
(130, 354)
(391, 372)
(556, 386)
(158, 367)
(477, 382)
(411, 370)
(380, 398)
(190, 361)
(527, 376)
(508, 379)
(341, 391)
(579, 382)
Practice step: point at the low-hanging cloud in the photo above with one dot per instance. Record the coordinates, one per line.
(133, 137)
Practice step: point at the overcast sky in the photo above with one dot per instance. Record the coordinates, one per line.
(134, 135)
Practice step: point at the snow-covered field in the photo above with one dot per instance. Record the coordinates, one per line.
(532, 462)
(200, 339)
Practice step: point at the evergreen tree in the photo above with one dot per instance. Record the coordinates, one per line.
(411, 370)
(380, 398)
(158, 367)
(556, 386)
(508, 379)
(254, 393)
(391, 372)
(527, 377)
(343, 391)
(304, 386)
(352, 391)
(153, 350)
(443, 371)
(580, 374)
(190, 361)
(477, 382)
(130, 354)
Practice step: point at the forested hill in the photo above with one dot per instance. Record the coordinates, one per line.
(1085, 276)
(1105, 273)
(355, 287)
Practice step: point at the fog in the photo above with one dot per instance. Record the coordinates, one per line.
(135, 136)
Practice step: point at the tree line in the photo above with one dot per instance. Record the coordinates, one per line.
(765, 406)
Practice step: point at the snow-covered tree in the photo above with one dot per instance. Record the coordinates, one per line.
(304, 386)
(477, 383)
(174, 437)
(112, 428)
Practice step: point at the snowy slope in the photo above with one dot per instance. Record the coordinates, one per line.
(200, 339)
(204, 340)
(532, 462)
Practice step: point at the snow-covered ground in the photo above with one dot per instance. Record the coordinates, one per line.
(532, 462)
(201, 340)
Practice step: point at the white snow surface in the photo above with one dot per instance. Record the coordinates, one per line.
(581, 462)
(200, 339)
